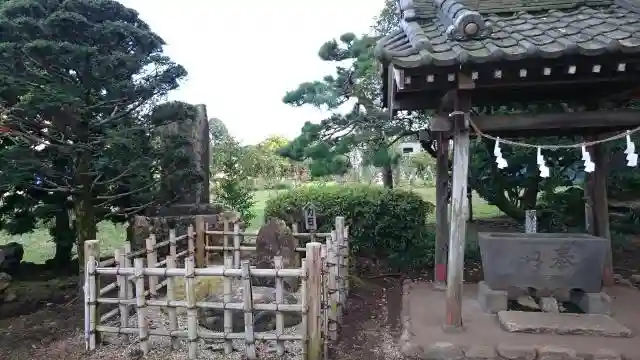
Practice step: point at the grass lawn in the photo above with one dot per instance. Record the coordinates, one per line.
(481, 210)
(39, 247)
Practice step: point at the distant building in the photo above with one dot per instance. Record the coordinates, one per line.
(409, 147)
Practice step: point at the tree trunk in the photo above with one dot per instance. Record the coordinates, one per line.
(63, 234)
(85, 221)
(387, 176)
(63, 237)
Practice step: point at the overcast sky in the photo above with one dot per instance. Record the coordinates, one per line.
(243, 55)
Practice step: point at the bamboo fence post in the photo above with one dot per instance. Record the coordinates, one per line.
(278, 264)
(313, 300)
(173, 246)
(122, 288)
(331, 289)
(341, 276)
(337, 274)
(225, 242)
(324, 291)
(237, 241)
(294, 229)
(171, 310)
(208, 241)
(91, 288)
(191, 245)
(227, 315)
(248, 311)
(126, 249)
(152, 260)
(347, 253)
(141, 306)
(200, 242)
(93, 313)
(192, 310)
(304, 313)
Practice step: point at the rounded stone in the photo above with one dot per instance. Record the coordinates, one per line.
(471, 28)
(517, 352)
(443, 351)
(213, 319)
(481, 352)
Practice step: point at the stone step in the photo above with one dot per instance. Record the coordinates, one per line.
(562, 324)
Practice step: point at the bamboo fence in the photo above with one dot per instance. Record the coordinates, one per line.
(124, 257)
(323, 292)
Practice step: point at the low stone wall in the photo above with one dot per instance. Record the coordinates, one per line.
(449, 351)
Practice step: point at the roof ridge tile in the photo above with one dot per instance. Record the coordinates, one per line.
(463, 22)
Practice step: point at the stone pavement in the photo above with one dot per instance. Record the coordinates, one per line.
(483, 338)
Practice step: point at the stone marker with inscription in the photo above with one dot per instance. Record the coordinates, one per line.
(276, 239)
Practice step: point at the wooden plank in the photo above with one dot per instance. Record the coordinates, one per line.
(553, 121)
(458, 223)
(442, 211)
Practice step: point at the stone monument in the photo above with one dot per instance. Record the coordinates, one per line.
(196, 132)
(192, 198)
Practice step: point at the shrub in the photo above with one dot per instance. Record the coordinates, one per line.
(282, 185)
(387, 224)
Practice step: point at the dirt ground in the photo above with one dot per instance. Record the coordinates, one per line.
(372, 319)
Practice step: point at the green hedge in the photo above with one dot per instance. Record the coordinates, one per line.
(387, 224)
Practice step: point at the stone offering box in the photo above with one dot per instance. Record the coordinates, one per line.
(543, 261)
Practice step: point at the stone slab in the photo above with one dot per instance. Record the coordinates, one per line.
(562, 324)
(592, 303)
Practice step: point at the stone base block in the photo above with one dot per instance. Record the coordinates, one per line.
(492, 301)
(562, 324)
(592, 303)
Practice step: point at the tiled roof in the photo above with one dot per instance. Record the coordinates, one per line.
(430, 31)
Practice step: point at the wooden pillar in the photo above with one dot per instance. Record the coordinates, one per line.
(588, 205)
(442, 211)
(600, 206)
(458, 222)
